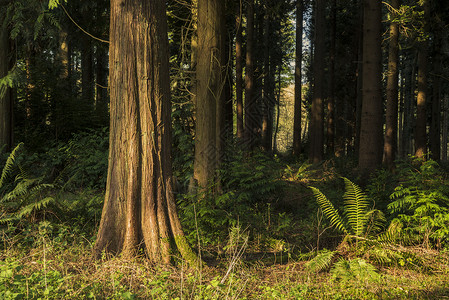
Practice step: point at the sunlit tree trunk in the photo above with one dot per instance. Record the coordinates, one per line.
(298, 78)
(139, 210)
(370, 150)
(250, 103)
(239, 72)
(390, 144)
(5, 93)
(317, 112)
(210, 74)
(421, 111)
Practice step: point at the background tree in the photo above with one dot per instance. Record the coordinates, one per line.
(317, 112)
(139, 209)
(298, 79)
(210, 74)
(390, 143)
(6, 102)
(370, 153)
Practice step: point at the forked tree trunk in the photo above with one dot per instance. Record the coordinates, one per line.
(5, 94)
(298, 85)
(390, 144)
(370, 150)
(139, 210)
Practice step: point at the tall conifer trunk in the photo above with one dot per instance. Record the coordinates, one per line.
(5, 93)
(210, 74)
(239, 72)
(316, 118)
(390, 144)
(139, 210)
(298, 78)
(370, 151)
(421, 111)
(250, 103)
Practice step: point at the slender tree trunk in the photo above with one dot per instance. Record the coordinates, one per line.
(316, 121)
(210, 83)
(267, 98)
(421, 111)
(194, 49)
(6, 102)
(435, 130)
(298, 80)
(331, 98)
(445, 125)
(139, 209)
(239, 72)
(102, 100)
(370, 150)
(390, 144)
(250, 103)
(359, 83)
(87, 75)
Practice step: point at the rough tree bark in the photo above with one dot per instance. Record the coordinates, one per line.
(210, 74)
(370, 150)
(139, 210)
(390, 144)
(298, 78)
(331, 99)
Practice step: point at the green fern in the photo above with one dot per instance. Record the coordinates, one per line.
(26, 197)
(330, 211)
(320, 262)
(356, 208)
(356, 269)
(359, 220)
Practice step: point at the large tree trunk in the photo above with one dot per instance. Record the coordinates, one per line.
(209, 97)
(139, 209)
(239, 72)
(250, 103)
(421, 111)
(370, 150)
(390, 145)
(316, 118)
(298, 78)
(5, 93)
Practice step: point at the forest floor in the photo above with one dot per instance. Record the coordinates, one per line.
(64, 270)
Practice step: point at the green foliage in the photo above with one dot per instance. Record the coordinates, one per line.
(28, 195)
(249, 186)
(321, 261)
(355, 270)
(421, 203)
(359, 219)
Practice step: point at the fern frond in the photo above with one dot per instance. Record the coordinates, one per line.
(392, 234)
(375, 222)
(356, 207)
(38, 205)
(329, 210)
(357, 269)
(320, 262)
(7, 169)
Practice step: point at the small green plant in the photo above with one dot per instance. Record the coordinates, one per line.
(27, 196)
(421, 203)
